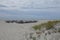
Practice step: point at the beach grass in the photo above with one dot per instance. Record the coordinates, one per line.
(47, 25)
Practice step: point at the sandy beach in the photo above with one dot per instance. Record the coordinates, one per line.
(14, 31)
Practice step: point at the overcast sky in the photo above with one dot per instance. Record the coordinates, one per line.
(28, 8)
(29, 4)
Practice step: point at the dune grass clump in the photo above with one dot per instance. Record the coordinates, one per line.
(34, 38)
(48, 25)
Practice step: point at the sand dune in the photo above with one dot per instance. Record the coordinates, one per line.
(13, 31)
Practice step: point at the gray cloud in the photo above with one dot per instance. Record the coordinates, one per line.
(2, 5)
(41, 4)
(31, 4)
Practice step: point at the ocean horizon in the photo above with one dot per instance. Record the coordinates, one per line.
(22, 15)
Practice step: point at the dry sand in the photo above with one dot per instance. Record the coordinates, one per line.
(14, 31)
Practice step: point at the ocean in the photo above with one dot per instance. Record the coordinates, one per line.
(9, 14)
